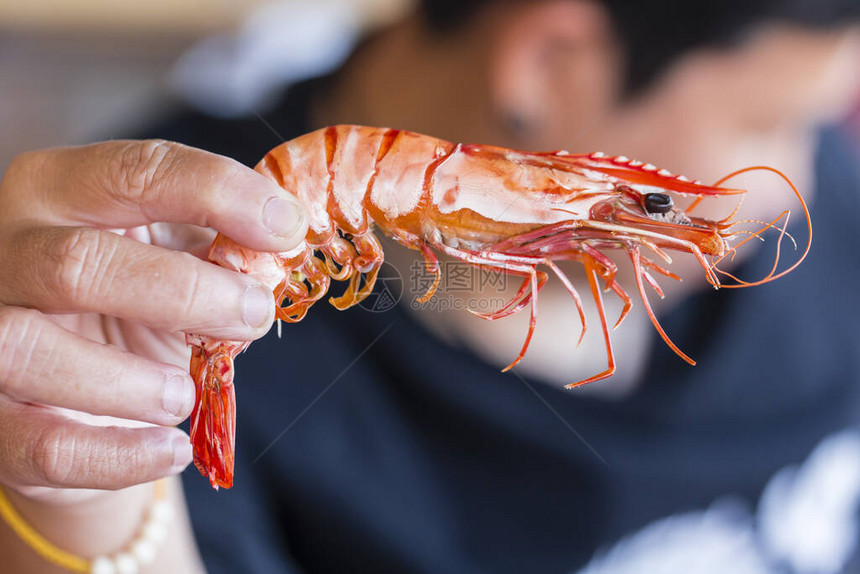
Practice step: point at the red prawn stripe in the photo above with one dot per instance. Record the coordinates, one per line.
(274, 168)
(330, 141)
(385, 146)
(427, 195)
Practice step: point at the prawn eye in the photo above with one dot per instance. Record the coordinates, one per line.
(658, 203)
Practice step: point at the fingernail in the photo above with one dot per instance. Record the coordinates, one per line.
(178, 396)
(282, 216)
(182, 453)
(257, 305)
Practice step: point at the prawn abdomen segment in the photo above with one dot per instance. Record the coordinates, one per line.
(350, 176)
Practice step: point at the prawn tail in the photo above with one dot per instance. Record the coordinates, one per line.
(213, 420)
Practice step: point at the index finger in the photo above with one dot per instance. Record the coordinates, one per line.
(131, 183)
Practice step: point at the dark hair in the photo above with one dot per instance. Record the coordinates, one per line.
(654, 32)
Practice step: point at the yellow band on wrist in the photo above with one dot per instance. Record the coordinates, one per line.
(42, 546)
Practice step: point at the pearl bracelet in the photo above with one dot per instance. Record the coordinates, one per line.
(140, 552)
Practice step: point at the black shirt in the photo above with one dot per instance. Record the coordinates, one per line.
(366, 445)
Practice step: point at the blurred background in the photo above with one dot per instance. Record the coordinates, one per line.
(77, 70)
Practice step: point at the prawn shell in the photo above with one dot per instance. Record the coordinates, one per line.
(634, 172)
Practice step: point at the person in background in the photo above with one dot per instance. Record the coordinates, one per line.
(389, 442)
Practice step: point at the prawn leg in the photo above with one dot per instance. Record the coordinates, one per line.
(366, 264)
(596, 292)
(431, 264)
(638, 274)
(509, 264)
(518, 302)
(315, 273)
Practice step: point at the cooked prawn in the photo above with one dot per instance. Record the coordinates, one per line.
(488, 206)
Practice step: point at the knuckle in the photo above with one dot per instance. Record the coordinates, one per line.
(20, 330)
(55, 455)
(82, 256)
(12, 321)
(61, 458)
(140, 165)
(188, 292)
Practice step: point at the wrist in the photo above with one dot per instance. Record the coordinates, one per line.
(117, 531)
(91, 525)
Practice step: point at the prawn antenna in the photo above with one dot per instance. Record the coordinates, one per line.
(772, 275)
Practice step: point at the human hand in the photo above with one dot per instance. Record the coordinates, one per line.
(98, 285)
